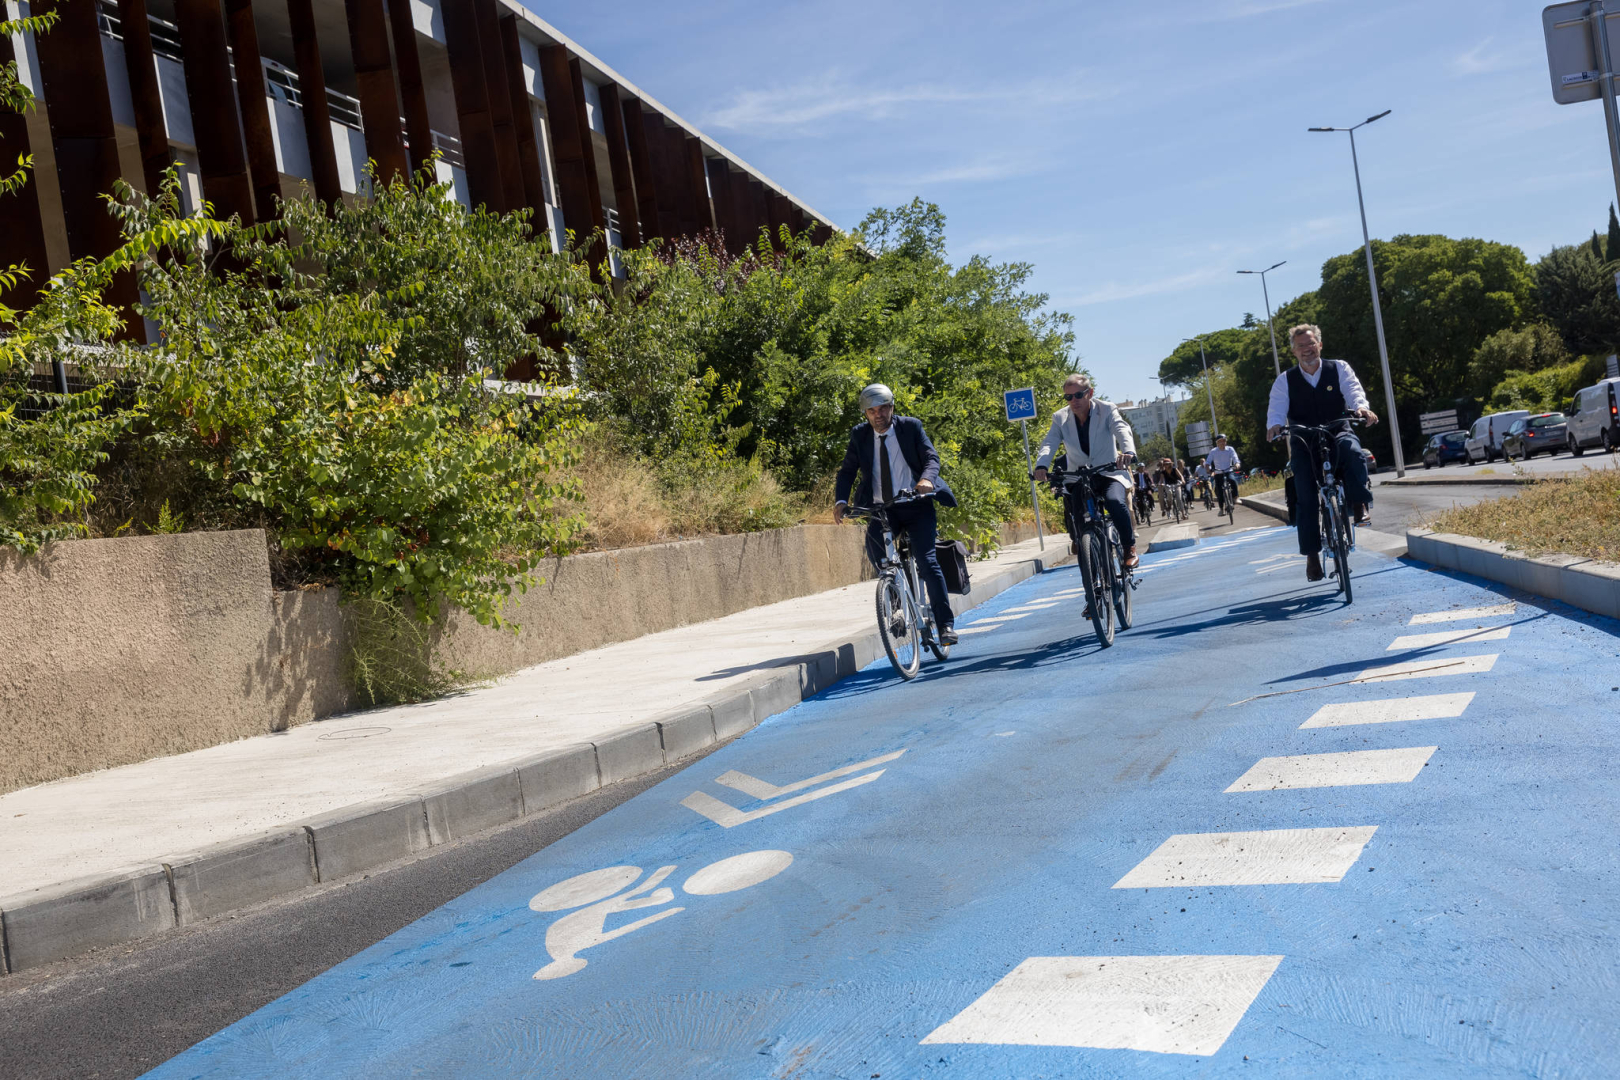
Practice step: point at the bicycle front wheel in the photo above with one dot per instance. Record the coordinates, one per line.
(899, 625)
(1099, 590)
(1122, 584)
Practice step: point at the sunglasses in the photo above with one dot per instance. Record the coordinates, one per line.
(1076, 397)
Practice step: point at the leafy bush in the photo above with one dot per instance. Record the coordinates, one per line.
(335, 410)
(1550, 390)
(1533, 348)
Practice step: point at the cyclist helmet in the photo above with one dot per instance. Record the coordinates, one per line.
(875, 395)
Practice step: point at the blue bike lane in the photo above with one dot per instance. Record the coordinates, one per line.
(1264, 831)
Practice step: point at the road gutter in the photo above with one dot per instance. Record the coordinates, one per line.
(1588, 584)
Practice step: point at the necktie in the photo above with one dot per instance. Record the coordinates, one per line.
(885, 477)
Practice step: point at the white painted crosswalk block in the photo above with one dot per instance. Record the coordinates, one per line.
(1159, 1004)
(978, 629)
(1033, 605)
(1270, 857)
(1437, 667)
(1347, 769)
(1450, 637)
(1390, 710)
(1458, 614)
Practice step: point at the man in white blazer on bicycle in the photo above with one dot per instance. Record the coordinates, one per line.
(1092, 432)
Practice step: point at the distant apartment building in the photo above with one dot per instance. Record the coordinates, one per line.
(1157, 417)
(522, 117)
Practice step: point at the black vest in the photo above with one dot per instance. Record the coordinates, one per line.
(1318, 405)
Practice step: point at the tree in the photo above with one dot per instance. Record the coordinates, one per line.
(1576, 293)
(1441, 298)
(1185, 367)
(1531, 349)
(1614, 235)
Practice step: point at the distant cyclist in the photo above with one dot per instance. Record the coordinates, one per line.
(1222, 461)
(1319, 393)
(1094, 433)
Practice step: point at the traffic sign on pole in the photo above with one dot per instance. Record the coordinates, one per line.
(1581, 64)
(1020, 403)
(1021, 407)
(1434, 423)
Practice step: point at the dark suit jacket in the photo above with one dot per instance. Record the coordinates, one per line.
(919, 453)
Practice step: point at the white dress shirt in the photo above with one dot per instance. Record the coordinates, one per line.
(899, 471)
(1354, 396)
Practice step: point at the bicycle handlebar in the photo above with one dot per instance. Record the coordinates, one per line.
(908, 495)
(1323, 429)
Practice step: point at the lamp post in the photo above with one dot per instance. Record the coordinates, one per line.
(1169, 418)
(1275, 363)
(1372, 280)
(1214, 424)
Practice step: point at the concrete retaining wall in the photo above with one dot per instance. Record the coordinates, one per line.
(120, 650)
(1584, 583)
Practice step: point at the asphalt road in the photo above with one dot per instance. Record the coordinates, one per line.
(1202, 851)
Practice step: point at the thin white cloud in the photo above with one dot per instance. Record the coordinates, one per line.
(832, 95)
(966, 172)
(1483, 60)
(1247, 9)
(1114, 292)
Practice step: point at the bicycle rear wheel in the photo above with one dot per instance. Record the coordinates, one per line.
(898, 625)
(1229, 504)
(1099, 592)
(1335, 543)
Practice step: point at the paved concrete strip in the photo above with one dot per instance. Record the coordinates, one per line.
(1174, 536)
(258, 781)
(1347, 769)
(1430, 617)
(1389, 711)
(1269, 857)
(1449, 637)
(1160, 1004)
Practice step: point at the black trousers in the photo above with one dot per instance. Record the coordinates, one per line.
(1351, 469)
(1115, 502)
(918, 523)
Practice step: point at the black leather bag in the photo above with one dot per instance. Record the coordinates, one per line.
(953, 561)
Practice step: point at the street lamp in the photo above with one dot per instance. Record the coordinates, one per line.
(1372, 280)
(1275, 363)
(1169, 417)
(1214, 424)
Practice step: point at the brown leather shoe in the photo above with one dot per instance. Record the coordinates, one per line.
(1313, 568)
(1130, 557)
(1361, 515)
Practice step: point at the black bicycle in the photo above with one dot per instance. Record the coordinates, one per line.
(1226, 486)
(905, 618)
(1338, 531)
(1144, 506)
(1098, 548)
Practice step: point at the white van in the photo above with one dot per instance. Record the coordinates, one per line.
(1485, 437)
(1595, 420)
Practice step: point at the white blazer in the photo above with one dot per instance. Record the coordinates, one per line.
(1110, 436)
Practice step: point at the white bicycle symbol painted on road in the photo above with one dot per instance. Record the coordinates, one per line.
(586, 928)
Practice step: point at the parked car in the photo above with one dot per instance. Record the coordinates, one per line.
(1372, 460)
(1450, 446)
(1542, 433)
(1485, 437)
(1596, 419)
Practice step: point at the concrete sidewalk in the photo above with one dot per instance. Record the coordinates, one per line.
(118, 854)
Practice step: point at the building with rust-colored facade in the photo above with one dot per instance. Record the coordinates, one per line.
(522, 117)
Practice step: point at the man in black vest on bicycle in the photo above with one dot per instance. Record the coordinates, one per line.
(1319, 393)
(892, 454)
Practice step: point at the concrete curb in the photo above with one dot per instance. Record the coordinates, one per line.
(55, 923)
(1169, 537)
(1259, 505)
(1588, 584)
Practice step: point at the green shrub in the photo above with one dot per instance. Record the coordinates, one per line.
(1549, 390)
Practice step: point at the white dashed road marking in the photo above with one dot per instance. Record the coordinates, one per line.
(1390, 710)
(1463, 613)
(1399, 766)
(1272, 857)
(1161, 1004)
(1429, 669)
(1449, 637)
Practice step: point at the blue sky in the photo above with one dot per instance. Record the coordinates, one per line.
(1138, 155)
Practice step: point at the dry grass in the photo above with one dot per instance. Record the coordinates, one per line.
(1261, 484)
(630, 501)
(1579, 516)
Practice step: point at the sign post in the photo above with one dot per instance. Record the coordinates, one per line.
(1438, 423)
(1579, 61)
(1199, 439)
(1021, 407)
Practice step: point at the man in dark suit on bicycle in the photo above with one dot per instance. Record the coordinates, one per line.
(892, 454)
(1319, 393)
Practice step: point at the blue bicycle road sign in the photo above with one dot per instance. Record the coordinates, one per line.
(1020, 403)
